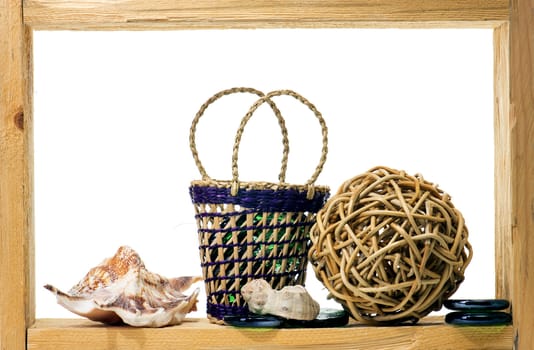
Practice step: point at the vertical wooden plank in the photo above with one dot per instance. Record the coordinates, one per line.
(503, 183)
(16, 218)
(29, 229)
(522, 120)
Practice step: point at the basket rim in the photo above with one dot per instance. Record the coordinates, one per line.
(258, 185)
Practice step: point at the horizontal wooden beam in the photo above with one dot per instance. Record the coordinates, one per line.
(190, 14)
(430, 333)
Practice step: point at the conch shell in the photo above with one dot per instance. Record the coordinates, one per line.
(292, 302)
(121, 289)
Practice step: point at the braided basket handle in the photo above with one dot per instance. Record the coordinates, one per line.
(281, 122)
(246, 118)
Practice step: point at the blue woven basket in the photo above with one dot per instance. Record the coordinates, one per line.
(250, 230)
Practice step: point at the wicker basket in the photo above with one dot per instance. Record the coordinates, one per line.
(250, 230)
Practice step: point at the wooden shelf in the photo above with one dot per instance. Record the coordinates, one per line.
(514, 166)
(430, 333)
(166, 14)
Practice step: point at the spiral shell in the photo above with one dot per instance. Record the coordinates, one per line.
(121, 289)
(292, 302)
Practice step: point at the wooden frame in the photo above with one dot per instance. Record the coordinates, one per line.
(513, 23)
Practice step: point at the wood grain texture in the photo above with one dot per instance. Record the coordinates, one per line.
(522, 122)
(517, 131)
(503, 172)
(165, 14)
(431, 333)
(16, 219)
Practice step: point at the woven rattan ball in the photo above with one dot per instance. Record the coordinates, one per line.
(389, 247)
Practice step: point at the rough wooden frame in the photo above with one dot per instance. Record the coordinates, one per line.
(513, 23)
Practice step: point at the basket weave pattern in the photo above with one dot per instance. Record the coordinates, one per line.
(250, 230)
(390, 247)
(241, 242)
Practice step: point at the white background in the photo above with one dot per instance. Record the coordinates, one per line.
(113, 111)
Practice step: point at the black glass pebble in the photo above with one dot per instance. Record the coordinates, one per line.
(326, 318)
(476, 304)
(491, 318)
(254, 321)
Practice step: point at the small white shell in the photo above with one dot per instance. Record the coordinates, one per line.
(292, 302)
(122, 289)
